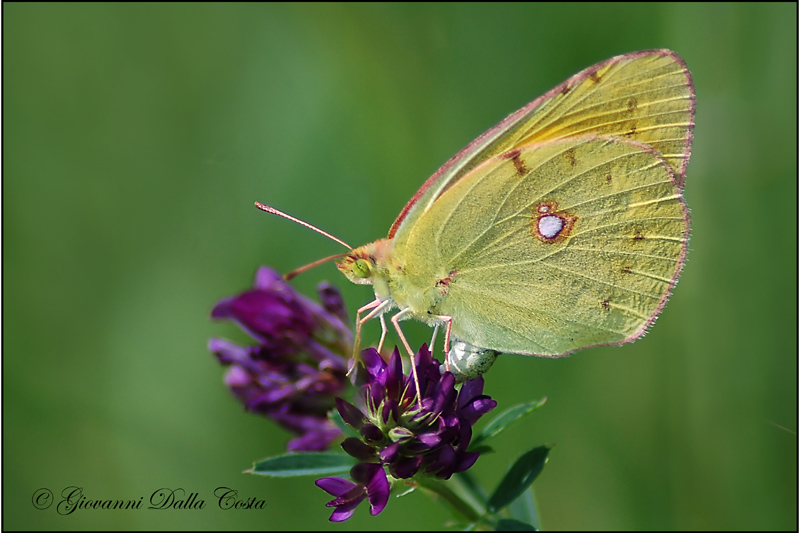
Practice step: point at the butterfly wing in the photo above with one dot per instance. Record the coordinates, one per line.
(554, 246)
(642, 96)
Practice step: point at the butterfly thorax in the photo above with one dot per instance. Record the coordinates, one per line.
(375, 264)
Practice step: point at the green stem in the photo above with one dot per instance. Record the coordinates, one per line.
(454, 494)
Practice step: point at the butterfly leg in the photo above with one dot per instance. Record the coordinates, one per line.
(396, 323)
(449, 321)
(433, 337)
(383, 332)
(357, 341)
(377, 307)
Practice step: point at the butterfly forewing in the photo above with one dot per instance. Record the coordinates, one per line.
(643, 96)
(553, 247)
(646, 98)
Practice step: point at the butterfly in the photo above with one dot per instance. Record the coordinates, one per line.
(560, 228)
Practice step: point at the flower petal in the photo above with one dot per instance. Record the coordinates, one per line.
(378, 492)
(356, 448)
(372, 434)
(364, 472)
(405, 467)
(445, 458)
(446, 393)
(394, 379)
(332, 301)
(228, 352)
(469, 390)
(373, 362)
(477, 408)
(266, 277)
(344, 512)
(389, 453)
(335, 486)
(467, 460)
(352, 416)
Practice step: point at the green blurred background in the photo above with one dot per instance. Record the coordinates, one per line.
(138, 136)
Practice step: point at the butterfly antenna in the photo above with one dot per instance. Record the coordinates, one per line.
(274, 211)
(303, 268)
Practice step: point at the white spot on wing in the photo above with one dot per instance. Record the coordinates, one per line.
(550, 226)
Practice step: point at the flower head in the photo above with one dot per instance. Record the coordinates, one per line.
(406, 434)
(297, 366)
(371, 483)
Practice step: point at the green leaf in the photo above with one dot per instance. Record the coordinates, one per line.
(519, 477)
(525, 509)
(481, 449)
(509, 524)
(503, 420)
(304, 464)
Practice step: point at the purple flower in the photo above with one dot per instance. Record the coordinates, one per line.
(402, 433)
(372, 484)
(297, 366)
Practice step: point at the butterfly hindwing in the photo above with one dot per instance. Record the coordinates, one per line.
(554, 246)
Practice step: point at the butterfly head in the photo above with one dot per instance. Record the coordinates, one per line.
(366, 263)
(357, 269)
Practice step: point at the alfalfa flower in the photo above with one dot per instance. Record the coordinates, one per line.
(404, 434)
(370, 483)
(297, 365)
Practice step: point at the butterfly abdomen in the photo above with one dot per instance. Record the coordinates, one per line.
(467, 361)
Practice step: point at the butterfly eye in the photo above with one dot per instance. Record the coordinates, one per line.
(361, 268)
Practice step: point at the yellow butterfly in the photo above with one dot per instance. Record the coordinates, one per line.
(562, 227)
